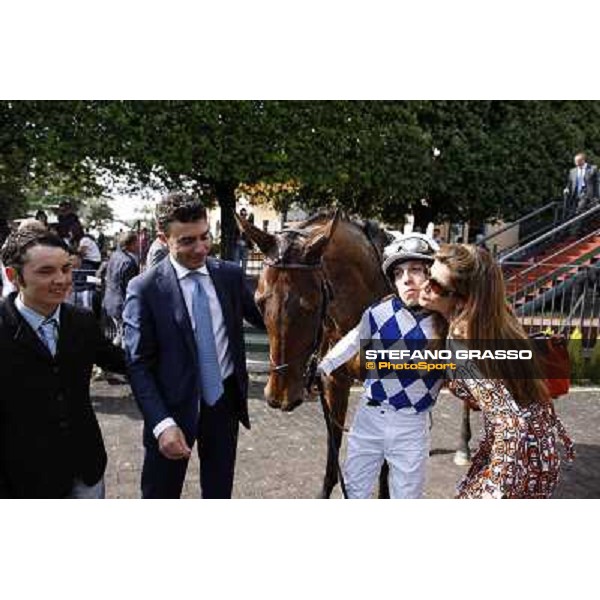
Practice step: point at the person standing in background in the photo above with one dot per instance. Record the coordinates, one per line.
(121, 269)
(582, 185)
(242, 245)
(88, 252)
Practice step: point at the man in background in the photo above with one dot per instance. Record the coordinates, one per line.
(242, 245)
(121, 269)
(157, 251)
(582, 185)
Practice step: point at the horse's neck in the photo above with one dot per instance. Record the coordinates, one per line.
(354, 273)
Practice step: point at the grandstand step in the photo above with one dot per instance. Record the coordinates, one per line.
(523, 281)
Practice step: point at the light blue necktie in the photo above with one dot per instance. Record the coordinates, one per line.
(211, 383)
(579, 180)
(48, 331)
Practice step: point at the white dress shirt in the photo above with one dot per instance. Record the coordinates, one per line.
(187, 285)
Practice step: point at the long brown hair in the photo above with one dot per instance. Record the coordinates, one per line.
(478, 279)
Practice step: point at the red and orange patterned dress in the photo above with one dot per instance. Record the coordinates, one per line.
(518, 455)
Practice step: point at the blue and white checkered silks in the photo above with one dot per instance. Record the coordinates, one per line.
(393, 325)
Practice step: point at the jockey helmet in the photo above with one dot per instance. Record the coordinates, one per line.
(411, 246)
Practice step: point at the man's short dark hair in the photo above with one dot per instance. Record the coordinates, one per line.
(19, 242)
(127, 238)
(179, 206)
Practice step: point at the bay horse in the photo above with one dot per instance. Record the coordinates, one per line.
(318, 278)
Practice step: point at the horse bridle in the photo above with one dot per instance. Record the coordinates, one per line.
(326, 296)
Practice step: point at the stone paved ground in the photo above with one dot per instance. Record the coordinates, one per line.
(283, 456)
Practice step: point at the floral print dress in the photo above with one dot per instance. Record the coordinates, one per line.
(518, 456)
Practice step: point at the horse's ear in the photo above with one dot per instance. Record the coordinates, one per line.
(316, 246)
(265, 241)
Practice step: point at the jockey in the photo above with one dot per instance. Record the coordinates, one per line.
(391, 422)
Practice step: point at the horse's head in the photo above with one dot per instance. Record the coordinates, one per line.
(292, 295)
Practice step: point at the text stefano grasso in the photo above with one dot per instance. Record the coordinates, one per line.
(498, 354)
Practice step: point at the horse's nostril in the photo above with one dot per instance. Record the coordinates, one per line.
(290, 405)
(272, 401)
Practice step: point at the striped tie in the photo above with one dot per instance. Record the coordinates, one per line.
(211, 383)
(48, 331)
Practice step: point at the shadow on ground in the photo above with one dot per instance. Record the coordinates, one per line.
(441, 451)
(580, 480)
(123, 405)
(117, 399)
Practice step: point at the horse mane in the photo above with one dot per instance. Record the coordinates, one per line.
(290, 239)
(370, 228)
(378, 237)
(322, 215)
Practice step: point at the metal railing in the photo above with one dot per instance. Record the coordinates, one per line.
(555, 207)
(553, 234)
(565, 305)
(558, 267)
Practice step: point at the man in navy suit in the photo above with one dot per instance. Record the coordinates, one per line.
(121, 269)
(582, 185)
(183, 328)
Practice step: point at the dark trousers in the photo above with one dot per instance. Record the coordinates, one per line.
(217, 436)
(578, 205)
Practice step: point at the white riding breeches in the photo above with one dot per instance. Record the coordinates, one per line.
(383, 433)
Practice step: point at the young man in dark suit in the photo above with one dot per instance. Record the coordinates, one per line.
(183, 328)
(50, 442)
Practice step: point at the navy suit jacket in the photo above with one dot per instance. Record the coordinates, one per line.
(161, 349)
(590, 178)
(120, 270)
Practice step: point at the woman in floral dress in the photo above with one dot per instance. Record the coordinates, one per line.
(518, 456)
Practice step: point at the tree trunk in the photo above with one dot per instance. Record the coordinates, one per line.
(225, 191)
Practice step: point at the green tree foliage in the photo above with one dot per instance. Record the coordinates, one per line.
(502, 158)
(14, 161)
(44, 150)
(367, 157)
(210, 147)
(98, 213)
(473, 160)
